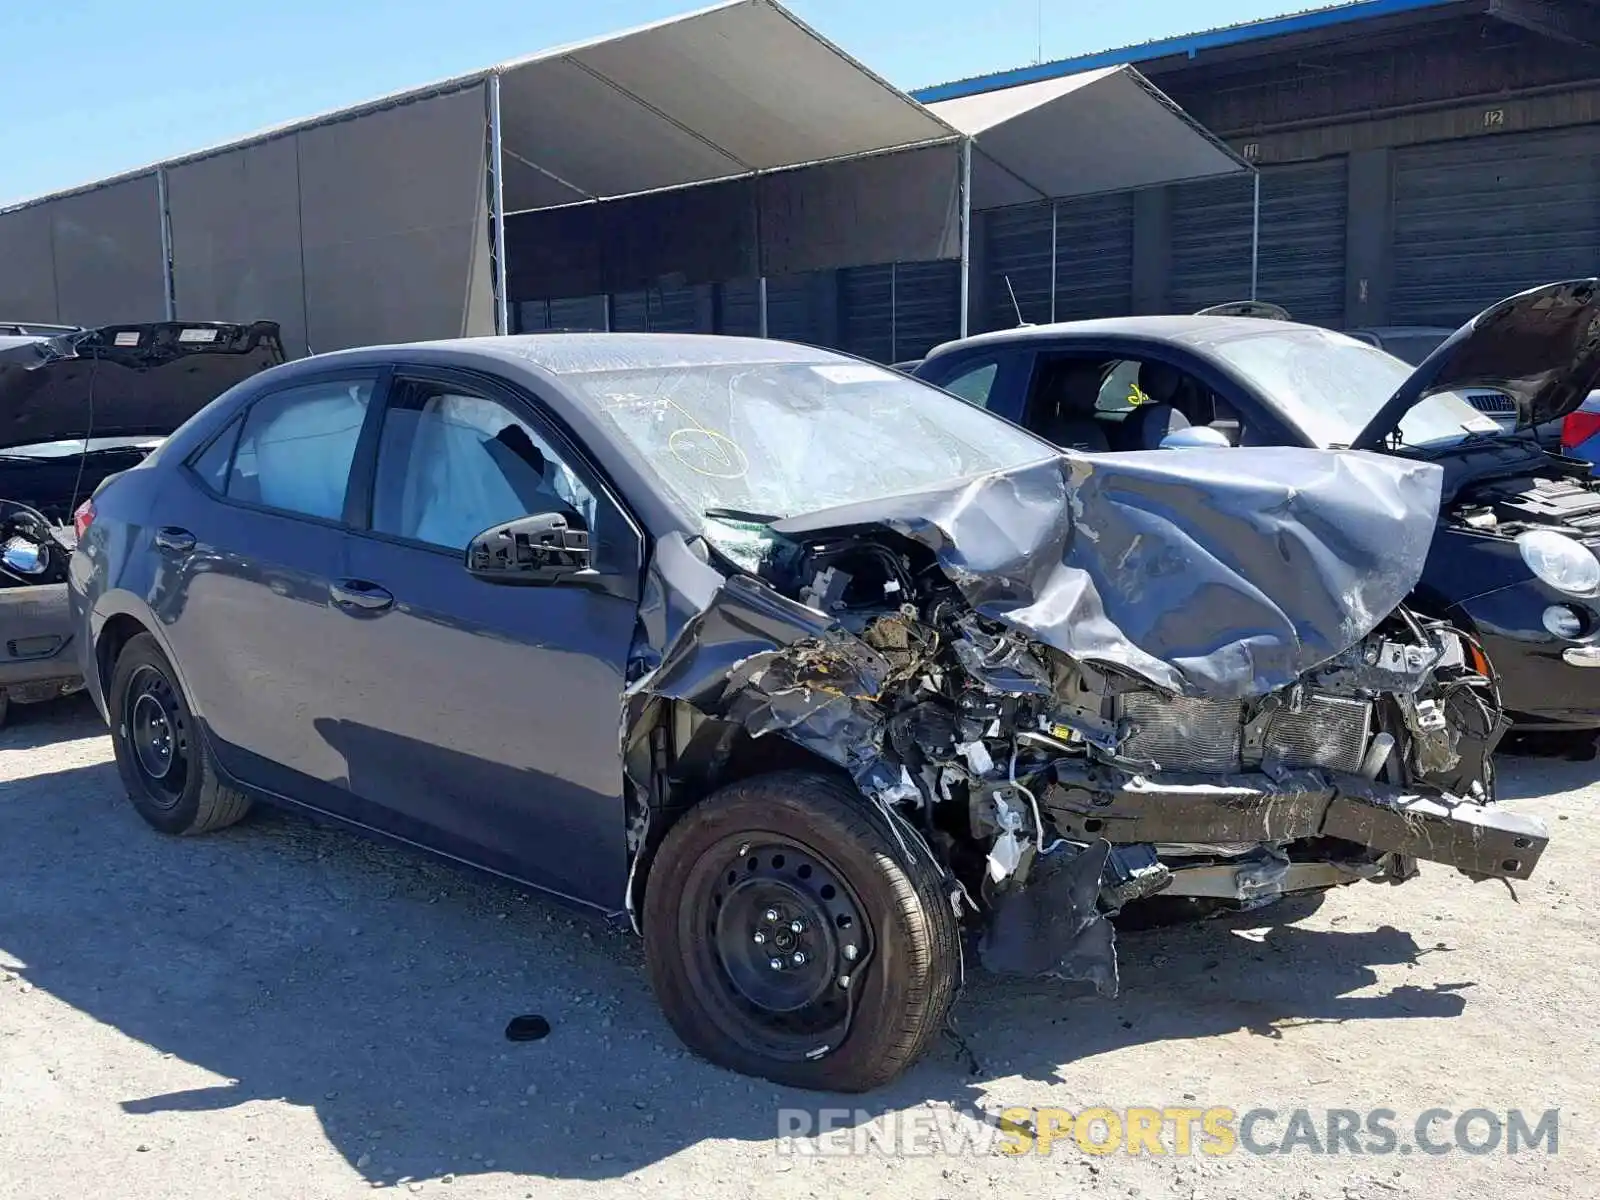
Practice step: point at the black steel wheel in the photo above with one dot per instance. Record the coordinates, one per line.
(164, 762)
(157, 732)
(789, 937)
(784, 934)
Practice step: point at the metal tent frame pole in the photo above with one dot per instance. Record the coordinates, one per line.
(966, 230)
(761, 304)
(169, 291)
(1255, 235)
(1055, 208)
(497, 210)
(894, 311)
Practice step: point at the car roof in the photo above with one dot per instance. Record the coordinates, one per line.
(1174, 327)
(581, 353)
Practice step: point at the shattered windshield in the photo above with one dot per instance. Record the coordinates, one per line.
(1332, 386)
(777, 439)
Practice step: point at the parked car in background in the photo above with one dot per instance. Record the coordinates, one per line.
(1580, 432)
(76, 407)
(715, 632)
(1409, 343)
(1514, 559)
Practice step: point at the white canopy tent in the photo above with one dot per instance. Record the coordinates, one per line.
(1107, 130)
(733, 143)
(741, 91)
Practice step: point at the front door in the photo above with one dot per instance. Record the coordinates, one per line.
(479, 718)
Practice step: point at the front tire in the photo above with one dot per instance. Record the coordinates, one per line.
(788, 937)
(162, 756)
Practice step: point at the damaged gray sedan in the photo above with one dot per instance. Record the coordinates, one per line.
(808, 668)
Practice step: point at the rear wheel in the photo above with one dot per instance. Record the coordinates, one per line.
(788, 937)
(164, 762)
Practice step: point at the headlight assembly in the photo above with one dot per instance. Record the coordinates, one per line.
(1560, 562)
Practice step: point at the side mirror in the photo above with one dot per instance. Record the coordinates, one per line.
(1195, 437)
(536, 550)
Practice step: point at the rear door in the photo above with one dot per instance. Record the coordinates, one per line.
(481, 718)
(251, 542)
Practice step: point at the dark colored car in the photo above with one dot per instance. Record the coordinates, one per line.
(75, 407)
(1409, 343)
(799, 662)
(1513, 561)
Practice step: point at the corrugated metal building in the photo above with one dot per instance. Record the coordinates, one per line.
(1418, 159)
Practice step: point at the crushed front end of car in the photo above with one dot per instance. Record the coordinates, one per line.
(1087, 683)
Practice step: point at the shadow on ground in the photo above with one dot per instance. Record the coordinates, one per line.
(372, 984)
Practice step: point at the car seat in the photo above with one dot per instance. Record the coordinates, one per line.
(1170, 395)
(1066, 408)
(1148, 425)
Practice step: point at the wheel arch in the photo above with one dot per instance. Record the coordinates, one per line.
(746, 757)
(119, 629)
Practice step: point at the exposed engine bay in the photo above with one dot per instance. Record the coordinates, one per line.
(1053, 789)
(33, 548)
(37, 496)
(1539, 499)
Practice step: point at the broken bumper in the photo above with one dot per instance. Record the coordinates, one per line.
(1088, 803)
(1055, 923)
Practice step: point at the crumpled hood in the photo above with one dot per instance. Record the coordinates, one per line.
(124, 380)
(1541, 347)
(1220, 573)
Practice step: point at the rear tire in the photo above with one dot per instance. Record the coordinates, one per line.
(162, 755)
(796, 858)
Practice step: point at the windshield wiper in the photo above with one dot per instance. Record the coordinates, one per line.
(740, 514)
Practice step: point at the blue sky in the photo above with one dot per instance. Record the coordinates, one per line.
(89, 88)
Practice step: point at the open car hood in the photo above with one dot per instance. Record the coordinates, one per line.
(1540, 347)
(124, 380)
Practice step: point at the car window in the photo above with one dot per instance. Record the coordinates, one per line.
(297, 445)
(1333, 386)
(1120, 392)
(212, 463)
(779, 437)
(975, 383)
(451, 464)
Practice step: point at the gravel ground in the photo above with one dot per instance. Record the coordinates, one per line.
(288, 1010)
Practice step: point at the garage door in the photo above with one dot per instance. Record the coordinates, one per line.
(1302, 241)
(1479, 219)
(1211, 237)
(1303, 208)
(663, 310)
(572, 314)
(892, 313)
(1094, 261)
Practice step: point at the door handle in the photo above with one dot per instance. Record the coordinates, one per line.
(178, 541)
(357, 595)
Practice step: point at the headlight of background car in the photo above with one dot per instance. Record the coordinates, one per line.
(1561, 562)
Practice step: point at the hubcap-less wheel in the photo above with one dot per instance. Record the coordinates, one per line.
(786, 936)
(157, 735)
